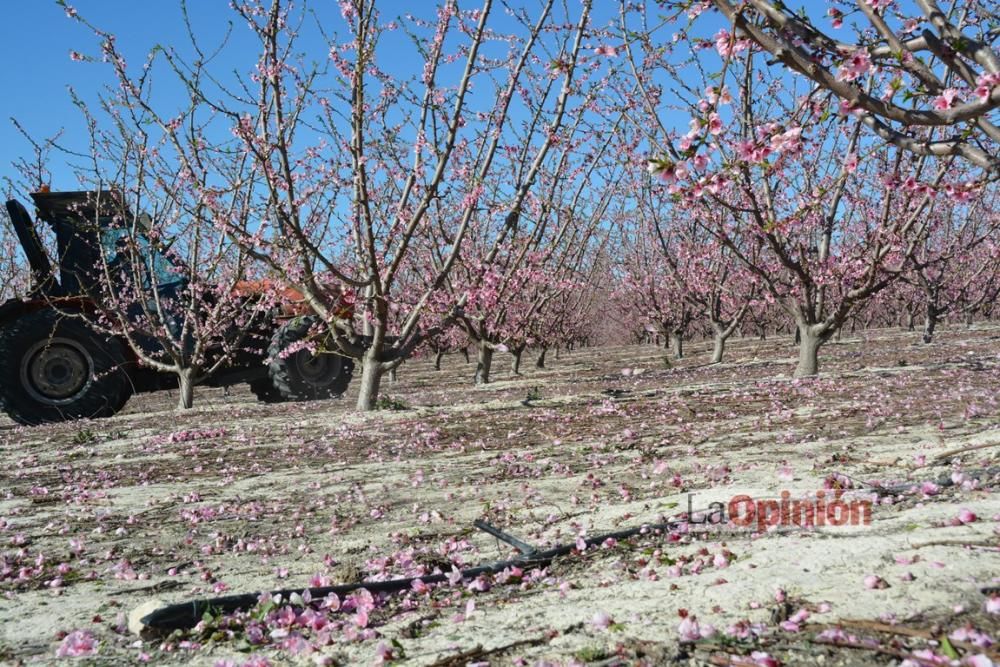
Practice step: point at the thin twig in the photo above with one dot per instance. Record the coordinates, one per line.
(941, 458)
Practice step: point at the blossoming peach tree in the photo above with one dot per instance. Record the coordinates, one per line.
(168, 281)
(832, 214)
(401, 157)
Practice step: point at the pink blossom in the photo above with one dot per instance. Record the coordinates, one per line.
(602, 620)
(992, 604)
(383, 652)
(966, 515)
(946, 99)
(857, 64)
(800, 616)
(77, 643)
(714, 124)
(347, 10)
(606, 50)
(985, 84)
(689, 629)
(667, 171)
(788, 141)
(745, 151)
(763, 659)
(726, 45)
(845, 108)
(873, 581)
(722, 42)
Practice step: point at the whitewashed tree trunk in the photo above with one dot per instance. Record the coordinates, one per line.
(809, 345)
(718, 349)
(678, 342)
(371, 379)
(185, 386)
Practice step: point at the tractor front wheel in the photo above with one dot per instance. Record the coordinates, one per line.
(300, 375)
(55, 368)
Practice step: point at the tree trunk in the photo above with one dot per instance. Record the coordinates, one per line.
(719, 348)
(808, 352)
(371, 379)
(515, 363)
(798, 336)
(392, 375)
(540, 361)
(910, 323)
(185, 385)
(678, 342)
(970, 318)
(930, 323)
(465, 353)
(483, 364)
(437, 360)
(557, 352)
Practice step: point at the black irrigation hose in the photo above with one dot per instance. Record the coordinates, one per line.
(943, 481)
(187, 614)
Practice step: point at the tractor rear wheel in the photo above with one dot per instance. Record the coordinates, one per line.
(302, 375)
(55, 368)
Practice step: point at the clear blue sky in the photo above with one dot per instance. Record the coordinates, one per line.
(36, 47)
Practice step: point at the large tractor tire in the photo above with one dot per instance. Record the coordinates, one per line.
(301, 375)
(54, 368)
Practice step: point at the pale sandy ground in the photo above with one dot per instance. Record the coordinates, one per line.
(594, 451)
